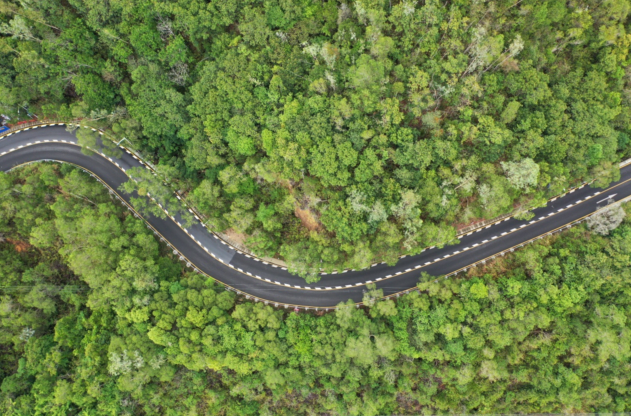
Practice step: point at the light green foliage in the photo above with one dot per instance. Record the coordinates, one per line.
(606, 220)
(510, 112)
(495, 195)
(524, 215)
(522, 174)
(18, 28)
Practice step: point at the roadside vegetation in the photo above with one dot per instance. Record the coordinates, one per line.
(338, 134)
(96, 317)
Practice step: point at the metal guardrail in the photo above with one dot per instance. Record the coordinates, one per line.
(484, 223)
(16, 127)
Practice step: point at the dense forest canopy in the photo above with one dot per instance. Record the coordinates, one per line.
(106, 322)
(331, 134)
(336, 134)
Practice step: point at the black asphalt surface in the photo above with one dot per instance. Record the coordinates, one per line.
(269, 283)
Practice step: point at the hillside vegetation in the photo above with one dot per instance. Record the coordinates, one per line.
(338, 134)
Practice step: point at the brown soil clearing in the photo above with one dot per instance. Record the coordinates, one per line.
(308, 218)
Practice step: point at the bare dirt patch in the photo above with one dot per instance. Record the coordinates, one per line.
(20, 246)
(308, 218)
(234, 236)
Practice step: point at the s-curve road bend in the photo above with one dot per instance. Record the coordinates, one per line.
(251, 276)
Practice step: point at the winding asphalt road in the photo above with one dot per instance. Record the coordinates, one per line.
(255, 278)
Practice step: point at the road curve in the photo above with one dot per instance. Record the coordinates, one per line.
(202, 250)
